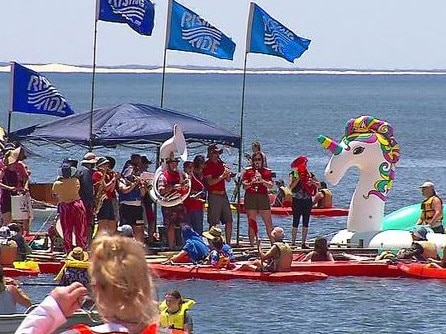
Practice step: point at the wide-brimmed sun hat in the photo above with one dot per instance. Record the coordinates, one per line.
(12, 156)
(78, 254)
(213, 233)
(89, 158)
(420, 232)
(102, 161)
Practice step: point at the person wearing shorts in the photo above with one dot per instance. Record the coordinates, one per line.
(216, 174)
(257, 180)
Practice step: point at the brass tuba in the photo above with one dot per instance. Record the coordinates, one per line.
(177, 143)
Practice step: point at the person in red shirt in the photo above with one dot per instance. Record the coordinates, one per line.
(195, 202)
(216, 174)
(257, 180)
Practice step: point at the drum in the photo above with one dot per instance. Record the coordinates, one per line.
(20, 209)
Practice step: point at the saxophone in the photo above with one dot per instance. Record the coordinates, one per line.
(100, 194)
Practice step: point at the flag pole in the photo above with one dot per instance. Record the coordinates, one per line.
(90, 142)
(11, 92)
(166, 43)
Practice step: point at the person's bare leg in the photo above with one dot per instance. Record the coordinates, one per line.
(228, 232)
(268, 220)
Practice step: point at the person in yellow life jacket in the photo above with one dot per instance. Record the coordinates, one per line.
(174, 315)
(122, 291)
(277, 259)
(323, 198)
(431, 208)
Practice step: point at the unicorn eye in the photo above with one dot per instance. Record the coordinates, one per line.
(358, 150)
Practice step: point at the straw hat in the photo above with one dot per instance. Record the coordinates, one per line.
(89, 158)
(12, 156)
(213, 233)
(78, 254)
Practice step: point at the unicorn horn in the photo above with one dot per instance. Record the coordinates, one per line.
(329, 144)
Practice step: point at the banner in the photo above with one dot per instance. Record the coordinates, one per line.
(138, 14)
(32, 93)
(189, 32)
(268, 36)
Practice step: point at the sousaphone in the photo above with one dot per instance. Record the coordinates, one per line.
(177, 143)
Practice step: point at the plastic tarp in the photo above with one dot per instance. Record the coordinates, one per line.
(126, 124)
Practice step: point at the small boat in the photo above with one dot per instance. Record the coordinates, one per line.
(288, 211)
(186, 271)
(349, 268)
(422, 270)
(10, 323)
(16, 272)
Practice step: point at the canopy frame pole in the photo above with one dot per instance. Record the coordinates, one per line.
(90, 144)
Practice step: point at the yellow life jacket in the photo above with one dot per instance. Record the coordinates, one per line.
(283, 261)
(174, 320)
(427, 210)
(429, 249)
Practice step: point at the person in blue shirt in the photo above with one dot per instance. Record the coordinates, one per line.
(194, 249)
(221, 255)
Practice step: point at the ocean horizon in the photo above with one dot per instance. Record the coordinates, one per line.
(178, 69)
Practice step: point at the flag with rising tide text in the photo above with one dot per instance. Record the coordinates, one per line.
(189, 32)
(268, 36)
(33, 93)
(138, 14)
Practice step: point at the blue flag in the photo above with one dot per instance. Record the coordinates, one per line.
(33, 93)
(138, 14)
(189, 32)
(268, 36)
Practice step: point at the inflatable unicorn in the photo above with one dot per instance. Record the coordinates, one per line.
(369, 145)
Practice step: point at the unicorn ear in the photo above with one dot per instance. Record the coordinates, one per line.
(329, 144)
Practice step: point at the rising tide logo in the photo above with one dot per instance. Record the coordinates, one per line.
(277, 36)
(199, 33)
(43, 96)
(132, 10)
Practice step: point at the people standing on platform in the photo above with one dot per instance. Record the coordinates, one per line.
(14, 180)
(147, 202)
(216, 173)
(10, 295)
(86, 191)
(303, 186)
(171, 180)
(72, 214)
(256, 148)
(122, 291)
(194, 203)
(257, 180)
(130, 192)
(431, 208)
(104, 182)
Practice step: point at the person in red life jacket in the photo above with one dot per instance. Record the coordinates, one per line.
(257, 180)
(303, 186)
(72, 214)
(104, 181)
(216, 174)
(431, 208)
(14, 180)
(195, 202)
(174, 315)
(122, 292)
(174, 216)
(320, 252)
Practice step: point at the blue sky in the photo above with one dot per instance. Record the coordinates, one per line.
(355, 34)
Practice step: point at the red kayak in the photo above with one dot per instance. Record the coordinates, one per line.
(422, 270)
(207, 272)
(13, 272)
(288, 211)
(349, 268)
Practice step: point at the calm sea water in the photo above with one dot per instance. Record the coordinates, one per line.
(286, 113)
